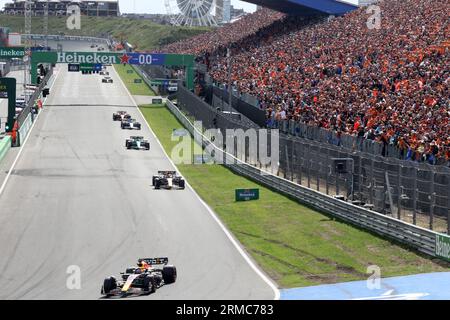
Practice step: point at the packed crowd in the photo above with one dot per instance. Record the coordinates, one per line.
(389, 84)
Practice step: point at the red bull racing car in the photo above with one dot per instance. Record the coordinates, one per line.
(121, 116)
(168, 180)
(149, 275)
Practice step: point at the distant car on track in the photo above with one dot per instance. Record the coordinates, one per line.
(107, 80)
(121, 115)
(168, 180)
(131, 124)
(146, 278)
(104, 73)
(137, 143)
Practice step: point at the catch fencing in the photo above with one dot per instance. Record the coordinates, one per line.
(412, 192)
(424, 240)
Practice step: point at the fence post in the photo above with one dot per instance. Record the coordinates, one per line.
(432, 201)
(309, 167)
(318, 176)
(286, 153)
(360, 178)
(327, 185)
(300, 166)
(448, 201)
(399, 203)
(337, 183)
(415, 193)
(309, 173)
(372, 182)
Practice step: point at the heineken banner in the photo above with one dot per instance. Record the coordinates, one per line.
(13, 52)
(103, 58)
(443, 247)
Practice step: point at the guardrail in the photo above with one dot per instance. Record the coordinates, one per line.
(5, 145)
(419, 238)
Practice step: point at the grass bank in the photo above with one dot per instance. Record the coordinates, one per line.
(128, 75)
(143, 34)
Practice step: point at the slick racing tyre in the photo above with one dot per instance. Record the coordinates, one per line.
(182, 184)
(169, 274)
(153, 181)
(149, 284)
(108, 285)
(157, 184)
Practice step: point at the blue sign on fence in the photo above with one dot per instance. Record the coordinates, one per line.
(146, 59)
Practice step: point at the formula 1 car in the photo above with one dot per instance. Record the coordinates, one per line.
(168, 180)
(104, 73)
(130, 124)
(143, 279)
(137, 143)
(121, 116)
(107, 80)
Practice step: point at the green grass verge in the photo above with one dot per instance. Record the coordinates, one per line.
(294, 245)
(143, 34)
(128, 75)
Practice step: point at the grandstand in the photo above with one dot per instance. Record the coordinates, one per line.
(388, 85)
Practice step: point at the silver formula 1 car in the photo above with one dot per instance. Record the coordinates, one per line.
(149, 275)
(130, 124)
(168, 180)
(137, 143)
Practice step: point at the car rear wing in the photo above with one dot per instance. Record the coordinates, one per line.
(155, 261)
(136, 138)
(166, 173)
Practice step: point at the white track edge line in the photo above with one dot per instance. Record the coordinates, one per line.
(255, 268)
(2, 188)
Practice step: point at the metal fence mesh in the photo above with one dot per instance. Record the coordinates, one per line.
(413, 192)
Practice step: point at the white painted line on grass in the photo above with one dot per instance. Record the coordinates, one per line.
(238, 247)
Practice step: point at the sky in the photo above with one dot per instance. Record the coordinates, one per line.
(157, 6)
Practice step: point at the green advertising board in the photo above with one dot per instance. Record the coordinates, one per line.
(109, 58)
(246, 194)
(12, 52)
(156, 83)
(8, 90)
(443, 247)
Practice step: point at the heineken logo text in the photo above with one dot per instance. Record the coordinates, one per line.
(94, 58)
(9, 52)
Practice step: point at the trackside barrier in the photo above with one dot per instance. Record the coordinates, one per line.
(5, 145)
(24, 129)
(64, 38)
(419, 238)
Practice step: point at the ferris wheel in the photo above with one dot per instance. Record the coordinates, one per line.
(193, 12)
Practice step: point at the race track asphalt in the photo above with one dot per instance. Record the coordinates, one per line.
(77, 197)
